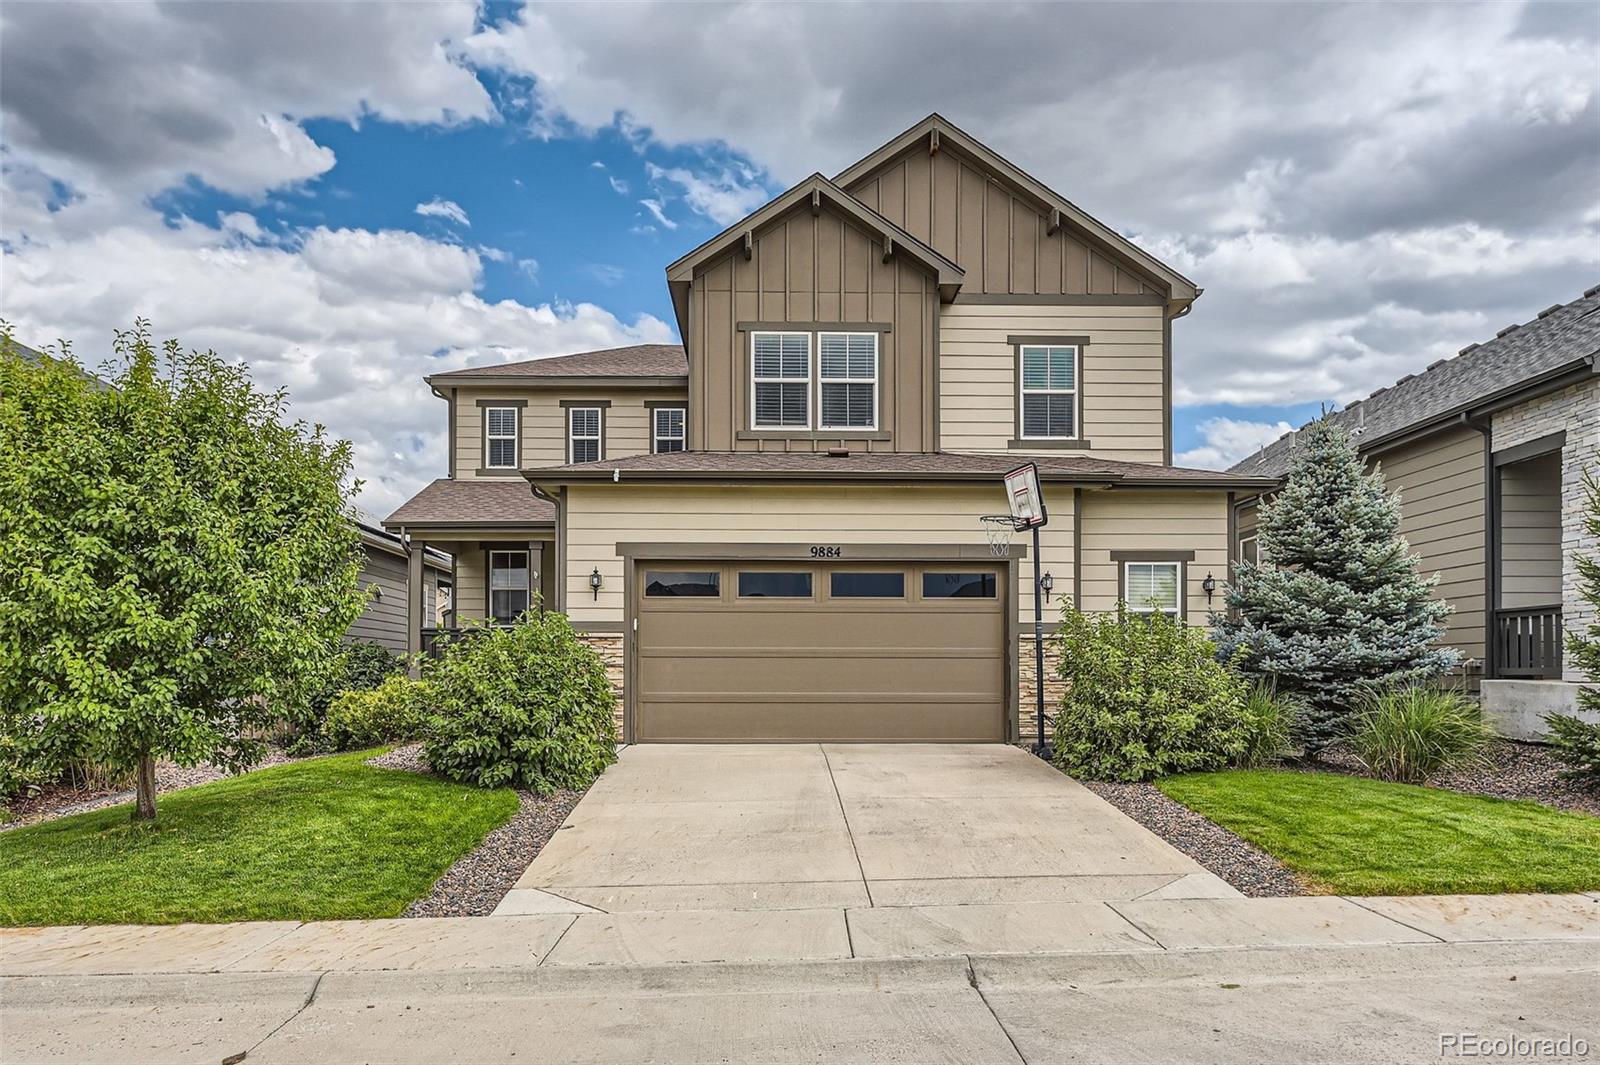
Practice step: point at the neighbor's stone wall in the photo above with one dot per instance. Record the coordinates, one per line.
(609, 647)
(1575, 410)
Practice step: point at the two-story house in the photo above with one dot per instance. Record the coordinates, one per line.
(773, 531)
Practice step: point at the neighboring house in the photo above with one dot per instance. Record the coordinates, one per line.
(772, 533)
(1488, 452)
(383, 569)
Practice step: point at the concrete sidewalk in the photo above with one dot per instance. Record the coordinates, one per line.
(1321, 1004)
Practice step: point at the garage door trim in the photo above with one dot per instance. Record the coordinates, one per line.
(635, 555)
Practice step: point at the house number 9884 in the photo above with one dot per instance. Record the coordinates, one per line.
(826, 552)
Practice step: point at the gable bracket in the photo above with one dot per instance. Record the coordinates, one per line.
(933, 143)
(816, 202)
(749, 244)
(888, 248)
(1055, 222)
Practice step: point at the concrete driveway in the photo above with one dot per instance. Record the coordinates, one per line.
(846, 826)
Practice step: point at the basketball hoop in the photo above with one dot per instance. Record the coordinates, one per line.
(999, 529)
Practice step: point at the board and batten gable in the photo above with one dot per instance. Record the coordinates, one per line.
(812, 272)
(543, 422)
(1001, 237)
(1122, 378)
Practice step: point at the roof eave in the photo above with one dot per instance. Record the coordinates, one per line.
(562, 381)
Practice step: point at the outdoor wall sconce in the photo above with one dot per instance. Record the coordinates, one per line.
(594, 583)
(1047, 585)
(1209, 586)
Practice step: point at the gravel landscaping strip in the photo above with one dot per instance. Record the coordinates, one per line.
(1247, 868)
(1509, 770)
(474, 886)
(64, 802)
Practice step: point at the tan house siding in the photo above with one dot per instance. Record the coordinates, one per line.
(1001, 238)
(1126, 521)
(472, 577)
(1530, 533)
(1441, 482)
(1123, 392)
(543, 439)
(811, 270)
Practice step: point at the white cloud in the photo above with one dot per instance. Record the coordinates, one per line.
(140, 96)
(1227, 440)
(348, 320)
(605, 273)
(724, 196)
(618, 186)
(446, 209)
(655, 208)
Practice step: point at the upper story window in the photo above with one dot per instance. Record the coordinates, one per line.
(780, 370)
(667, 429)
(500, 438)
(848, 380)
(584, 434)
(1049, 391)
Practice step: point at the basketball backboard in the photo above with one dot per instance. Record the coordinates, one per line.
(1024, 497)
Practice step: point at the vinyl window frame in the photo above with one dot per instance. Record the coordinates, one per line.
(1179, 566)
(486, 412)
(809, 380)
(1254, 540)
(599, 436)
(655, 427)
(1076, 391)
(875, 380)
(489, 588)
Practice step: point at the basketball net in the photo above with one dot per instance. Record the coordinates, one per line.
(999, 529)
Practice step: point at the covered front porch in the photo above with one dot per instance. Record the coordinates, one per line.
(502, 539)
(1526, 632)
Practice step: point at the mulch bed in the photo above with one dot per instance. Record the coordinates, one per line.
(1508, 770)
(63, 800)
(474, 886)
(1247, 868)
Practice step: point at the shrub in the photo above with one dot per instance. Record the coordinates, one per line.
(1269, 723)
(1411, 734)
(393, 711)
(361, 666)
(1576, 743)
(1145, 697)
(526, 705)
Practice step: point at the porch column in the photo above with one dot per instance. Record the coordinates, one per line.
(415, 575)
(535, 568)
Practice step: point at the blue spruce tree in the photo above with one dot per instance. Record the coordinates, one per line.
(1335, 608)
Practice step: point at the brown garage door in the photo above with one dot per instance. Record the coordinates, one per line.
(804, 652)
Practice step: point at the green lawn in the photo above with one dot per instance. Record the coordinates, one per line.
(1364, 837)
(320, 839)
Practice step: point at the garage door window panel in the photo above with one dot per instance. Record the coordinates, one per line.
(945, 584)
(683, 584)
(780, 369)
(851, 584)
(773, 584)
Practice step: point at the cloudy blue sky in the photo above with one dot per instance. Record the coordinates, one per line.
(351, 196)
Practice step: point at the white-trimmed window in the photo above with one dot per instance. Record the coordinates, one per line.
(508, 585)
(1250, 550)
(847, 375)
(500, 438)
(583, 434)
(1049, 391)
(780, 380)
(1153, 587)
(667, 430)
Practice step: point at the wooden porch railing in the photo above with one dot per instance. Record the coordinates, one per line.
(435, 639)
(1527, 643)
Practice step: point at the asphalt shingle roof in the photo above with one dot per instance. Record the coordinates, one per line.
(638, 360)
(485, 501)
(1559, 336)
